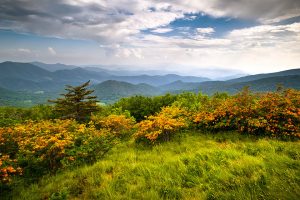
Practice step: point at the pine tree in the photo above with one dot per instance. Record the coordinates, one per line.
(76, 103)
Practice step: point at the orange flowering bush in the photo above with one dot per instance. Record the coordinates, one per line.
(46, 146)
(8, 169)
(162, 125)
(118, 125)
(276, 114)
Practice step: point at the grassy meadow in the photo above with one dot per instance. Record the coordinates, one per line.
(194, 165)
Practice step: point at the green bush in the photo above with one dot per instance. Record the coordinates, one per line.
(10, 116)
(141, 106)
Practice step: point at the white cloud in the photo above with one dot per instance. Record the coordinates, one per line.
(51, 51)
(129, 52)
(162, 30)
(24, 50)
(205, 31)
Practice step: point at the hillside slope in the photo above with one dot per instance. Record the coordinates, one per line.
(112, 90)
(267, 75)
(53, 67)
(260, 85)
(25, 71)
(193, 166)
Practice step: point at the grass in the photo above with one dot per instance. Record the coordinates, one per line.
(191, 166)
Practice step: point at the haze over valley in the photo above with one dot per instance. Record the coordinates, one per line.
(27, 84)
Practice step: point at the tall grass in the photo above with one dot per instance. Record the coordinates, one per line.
(191, 166)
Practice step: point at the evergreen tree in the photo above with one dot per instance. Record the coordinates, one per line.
(76, 103)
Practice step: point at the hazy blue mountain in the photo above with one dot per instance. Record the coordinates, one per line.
(79, 75)
(118, 70)
(158, 80)
(25, 83)
(112, 90)
(53, 67)
(26, 74)
(25, 71)
(260, 85)
(260, 76)
(101, 70)
(179, 85)
(230, 77)
(270, 83)
(28, 77)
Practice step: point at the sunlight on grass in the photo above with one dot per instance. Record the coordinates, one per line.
(192, 166)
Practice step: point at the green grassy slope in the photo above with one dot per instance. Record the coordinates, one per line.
(193, 166)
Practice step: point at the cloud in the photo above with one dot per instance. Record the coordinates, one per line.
(114, 21)
(129, 52)
(267, 11)
(267, 36)
(162, 30)
(24, 50)
(120, 29)
(205, 31)
(51, 51)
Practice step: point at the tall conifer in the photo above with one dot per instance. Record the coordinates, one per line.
(76, 103)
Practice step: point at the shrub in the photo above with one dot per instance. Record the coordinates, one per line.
(10, 116)
(275, 114)
(8, 169)
(162, 126)
(118, 125)
(140, 107)
(46, 146)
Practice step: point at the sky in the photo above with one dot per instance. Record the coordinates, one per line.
(186, 36)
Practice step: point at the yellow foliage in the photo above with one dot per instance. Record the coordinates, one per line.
(46, 141)
(118, 125)
(163, 124)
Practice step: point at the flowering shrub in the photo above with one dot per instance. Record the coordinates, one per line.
(275, 114)
(118, 125)
(46, 146)
(8, 169)
(162, 125)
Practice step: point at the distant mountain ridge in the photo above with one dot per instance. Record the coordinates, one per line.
(31, 77)
(268, 75)
(26, 82)
(25, 71)
(53, 67)
(259, 85)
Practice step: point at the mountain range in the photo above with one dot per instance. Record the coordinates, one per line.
(36, 82)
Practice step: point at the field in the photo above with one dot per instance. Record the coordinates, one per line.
(193, 165)
(185, 146)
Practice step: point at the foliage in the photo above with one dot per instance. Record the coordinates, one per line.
(33, 143)
(8, 169)
(140, 106)
(162, 125)
(12, 115)
(46, 146)
(118, 125)
(76, 103)
(275, 114)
